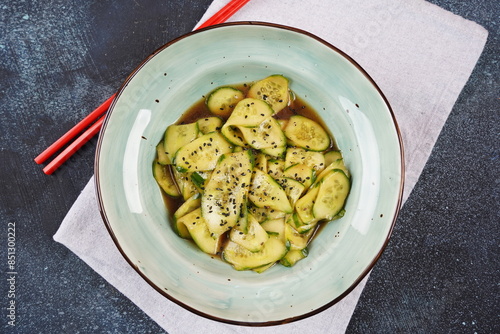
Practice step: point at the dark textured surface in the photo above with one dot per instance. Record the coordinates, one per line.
(59, 59)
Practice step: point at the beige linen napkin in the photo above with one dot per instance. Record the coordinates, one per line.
(419, 54)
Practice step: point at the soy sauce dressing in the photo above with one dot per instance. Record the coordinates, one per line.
(199, 110)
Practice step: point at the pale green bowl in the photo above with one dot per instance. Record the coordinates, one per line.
(168, 83)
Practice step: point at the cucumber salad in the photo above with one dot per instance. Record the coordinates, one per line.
(251, 176)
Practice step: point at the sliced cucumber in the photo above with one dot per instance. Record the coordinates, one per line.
(306, 133)
(267, 134)
(296, 240)
(333, 191)
(275, 227)
(242, 259)
(264, 213)
(209, 124)
(266, 192)
(292, 188)
(275, 168)
(332, 156)
(297, 155)
(304, 206)
(234, 136)
(273, 90)
(184, 183)
(261, 162)
(296, 222)
(242, 223)
(188, 206)
(253, 239)
(261, 269)
(199, 179)
(277, 152)
(207, 241)
(226, 192)
(337, 164)
(164, 179)
(293, 256)
(249, 113)
(181, 230)
(202, 153)
(162, 157)
(178, 135)
(300, 172)
(223, 100)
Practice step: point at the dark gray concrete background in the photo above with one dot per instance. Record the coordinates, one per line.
(60, 59)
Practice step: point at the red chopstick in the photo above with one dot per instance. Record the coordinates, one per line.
(58, 144)
(221, 16)
(225, 13)
(74, 146)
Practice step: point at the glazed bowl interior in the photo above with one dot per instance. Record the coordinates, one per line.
(175, 77)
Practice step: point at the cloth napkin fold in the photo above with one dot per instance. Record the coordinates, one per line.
(420, 56)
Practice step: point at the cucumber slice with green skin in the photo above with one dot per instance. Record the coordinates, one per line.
(337, 164)
(162, 157)
(304, 206)
(249, 113)
(234, 136)
(296, 240)
(273, 90)
(301, 173)
(267, 134)
(242, 259)
(294, 256)
(277, 152)
(199, 179)
(225, 198)
(297, 223)
(292, 188)
(264, 213)
(164, 178)
(202, 153)
(181, 230)
(266, 192)
(297, 155)
(178, 135)
(332, 156)
(184, 183)
(207, 241)
(275, 227)
(333, 191)
(306, 133)
(223, 100)
(253, 239)
(209, 124)
(188, 206)
(242, 223)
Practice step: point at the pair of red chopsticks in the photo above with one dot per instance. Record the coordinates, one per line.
(94, 126)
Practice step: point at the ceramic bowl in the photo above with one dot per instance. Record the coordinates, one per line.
(176, 76)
